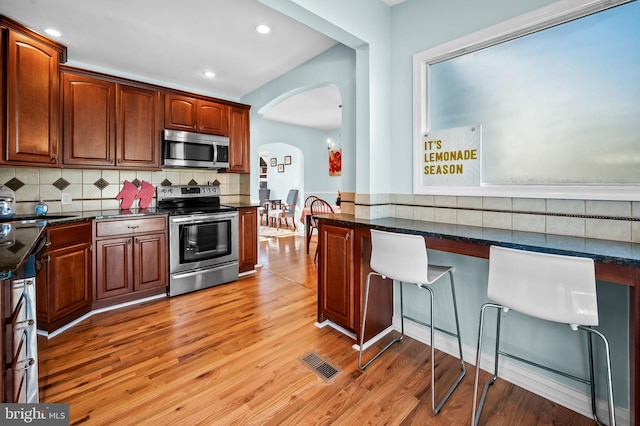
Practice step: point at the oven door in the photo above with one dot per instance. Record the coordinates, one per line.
(202, 241)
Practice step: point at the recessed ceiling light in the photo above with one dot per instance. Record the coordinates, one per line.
(52, 32)
(263, 29)
(209, 74)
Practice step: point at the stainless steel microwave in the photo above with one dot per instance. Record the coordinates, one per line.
(199, 150)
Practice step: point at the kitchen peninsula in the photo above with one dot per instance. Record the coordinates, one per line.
(345, 245)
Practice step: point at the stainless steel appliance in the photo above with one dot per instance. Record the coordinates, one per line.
(187, 149)
(203, 237)
(22, 341)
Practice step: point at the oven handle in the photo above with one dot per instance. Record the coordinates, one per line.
(193, 273)
(203, 219)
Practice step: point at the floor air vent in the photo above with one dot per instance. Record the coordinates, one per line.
(320, 366)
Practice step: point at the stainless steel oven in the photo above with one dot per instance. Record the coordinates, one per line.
(203, 238)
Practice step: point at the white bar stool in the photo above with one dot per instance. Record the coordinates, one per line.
(403, 257)
(550, 287)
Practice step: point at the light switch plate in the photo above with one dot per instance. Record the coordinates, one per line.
(66, 198)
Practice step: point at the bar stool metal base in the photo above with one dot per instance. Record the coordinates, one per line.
(362, 366)
(591, 382)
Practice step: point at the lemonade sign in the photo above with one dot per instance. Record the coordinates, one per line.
(450, 157)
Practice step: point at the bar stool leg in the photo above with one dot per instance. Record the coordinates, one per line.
(612, 418)
(436, 408)
(475, 415)
(362, 366)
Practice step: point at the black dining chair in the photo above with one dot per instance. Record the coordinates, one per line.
(319, 206)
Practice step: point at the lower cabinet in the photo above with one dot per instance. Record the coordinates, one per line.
(343, 265)
(336, 289)
(130, 259)
(247, 238)
(63, 285)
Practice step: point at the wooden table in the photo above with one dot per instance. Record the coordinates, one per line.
(615, 261)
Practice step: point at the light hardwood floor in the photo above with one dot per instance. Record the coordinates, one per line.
(229, 355)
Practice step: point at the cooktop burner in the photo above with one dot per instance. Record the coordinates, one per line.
(192, 199)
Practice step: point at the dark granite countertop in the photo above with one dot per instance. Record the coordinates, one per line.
(242, 205)
(606, 251)
(25, 231)
(16, 244)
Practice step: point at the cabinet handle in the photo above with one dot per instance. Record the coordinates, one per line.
(29, 362)
(129, 242)
(47, 244)
(54, 159)
(347, 236)
(137, 241)
(47, 258)
(23, 325)
(133, 226)
(24, 284)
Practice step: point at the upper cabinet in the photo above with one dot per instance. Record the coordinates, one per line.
(195, 115)
(239, 141)
(109, 124)
(30, 99)
(88, 120)
(60, 116)
(139, 127)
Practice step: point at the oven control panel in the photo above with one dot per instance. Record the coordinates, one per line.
(181, 191)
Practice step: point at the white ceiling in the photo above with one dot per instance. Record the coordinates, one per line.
(171, 43)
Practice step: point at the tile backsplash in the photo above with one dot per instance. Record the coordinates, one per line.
(611, 220)
(91, 189)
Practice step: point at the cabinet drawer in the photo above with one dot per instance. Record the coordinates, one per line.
(69, 234)
(108, 228)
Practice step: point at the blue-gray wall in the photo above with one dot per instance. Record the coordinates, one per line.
(336, 67)
(380, 122)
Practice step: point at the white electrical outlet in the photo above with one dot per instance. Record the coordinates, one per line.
(66, 198)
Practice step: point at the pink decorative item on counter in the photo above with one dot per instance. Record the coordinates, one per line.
(127, 195)
(145, 194)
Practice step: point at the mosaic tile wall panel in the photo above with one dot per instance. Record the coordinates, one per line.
(96, 189)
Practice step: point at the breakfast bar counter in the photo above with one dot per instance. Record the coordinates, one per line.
(616, 262)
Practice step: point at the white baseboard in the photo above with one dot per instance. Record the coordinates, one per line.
(568, 397)
(335, 326)
(97, 311)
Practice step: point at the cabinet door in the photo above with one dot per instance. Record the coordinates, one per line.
(32, 101)
(114, 267)
(248, 239)
(68, 278)
(139, 121)
(180, 113)
(88, 121)
(239, 140)
(212, 118)
(150, 261)
(335, 275)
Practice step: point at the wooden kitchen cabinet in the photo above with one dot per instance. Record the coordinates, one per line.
(336, 288)
(30, 98)
(109, 124)
(195, 115)
(130, 259)
(63, 285)
(343, 266)
(88, 120)
(247, 238)
(138, 127)
(239, 140)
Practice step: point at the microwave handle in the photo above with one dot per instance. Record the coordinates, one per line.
(215, 153)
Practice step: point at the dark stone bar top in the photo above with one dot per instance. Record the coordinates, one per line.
(605, 251)
(16, 244)
(21, 233)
